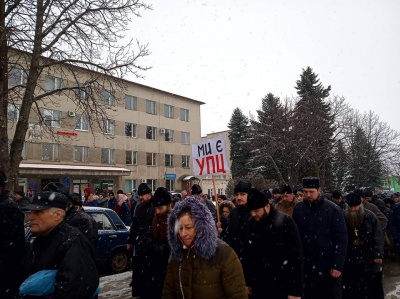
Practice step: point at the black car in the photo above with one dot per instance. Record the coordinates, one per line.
(111, 252)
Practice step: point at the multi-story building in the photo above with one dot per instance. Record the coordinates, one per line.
(144, 136)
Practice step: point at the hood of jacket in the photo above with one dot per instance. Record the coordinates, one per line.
(205, 243)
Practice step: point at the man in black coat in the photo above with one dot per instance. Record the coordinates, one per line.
(159, 249)
(59, 246)
(139, 239)
(21, 200)
(12, 242)
(364, 252)
(272, 256)
(337, 199)
(81, 220)
(323, 236)
(234, 234)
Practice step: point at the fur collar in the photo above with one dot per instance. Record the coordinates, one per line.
(205, 243)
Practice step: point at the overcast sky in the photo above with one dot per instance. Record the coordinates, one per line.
(230, 53)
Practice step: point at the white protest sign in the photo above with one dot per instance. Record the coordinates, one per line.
(210, 156)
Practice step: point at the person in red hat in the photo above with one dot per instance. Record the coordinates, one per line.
(90, 201)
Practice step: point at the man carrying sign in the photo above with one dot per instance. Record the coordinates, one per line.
(197, 192)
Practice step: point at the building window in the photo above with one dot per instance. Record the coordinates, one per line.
(210, 192)
(151, 159)
(131, 158)
(185, 161)
(130, 130)
(130, 185)
(152, 184)
(169, 160)
(83, 91)
(108, 126)
(170, 184)
(150, 107)
(107, 156)
(151, 133)
(169, 111)
(17, 77)
(23, 153)
(184, 114)
(185, 138)
(50, 151)
(52, 83)
(81, 122)
(13, 112)
(169, 135)
(81, 153)
(107, 98)
(130, 102)
(52, 118)
(220, 191)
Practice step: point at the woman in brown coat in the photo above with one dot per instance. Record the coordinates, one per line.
(201, 265)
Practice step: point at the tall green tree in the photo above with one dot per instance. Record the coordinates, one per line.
(59, 38)
(340, 166)
(239, 140)
(313, 124)
(267, 140)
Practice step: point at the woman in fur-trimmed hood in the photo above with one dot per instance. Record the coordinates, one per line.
(201, 265)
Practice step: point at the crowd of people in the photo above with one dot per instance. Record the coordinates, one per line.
(279, 243)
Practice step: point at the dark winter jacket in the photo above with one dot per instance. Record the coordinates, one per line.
(68, 251)
(374, 209)
(140, 238)
(381, 205)
(366, 245)
(158, 253)
(342, 205)
(12, 246)
(273, 258)
(323, 235)
(394, 226)
(210, 268)
(124, 212)
(140, 231)
(22, 203)
(84, 222)
(111, 203)
(235, 232)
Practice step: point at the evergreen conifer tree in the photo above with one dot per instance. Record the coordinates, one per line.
(313, 124)
(239, 140)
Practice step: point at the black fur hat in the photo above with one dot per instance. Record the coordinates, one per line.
(242, 186)
(161, 197)
(256, 199)
(196, 189)
(353, 199)
(143, 189)
(336, 194)
(310, 182)
(286, 189)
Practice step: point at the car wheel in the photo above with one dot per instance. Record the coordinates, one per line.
(119, 261)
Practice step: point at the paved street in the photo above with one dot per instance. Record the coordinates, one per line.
(117, 286)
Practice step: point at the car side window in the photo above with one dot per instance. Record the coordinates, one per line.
(103, 223)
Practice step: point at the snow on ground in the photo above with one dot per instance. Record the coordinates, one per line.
(116, 286)
(394, 294)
